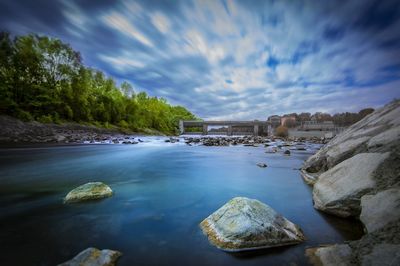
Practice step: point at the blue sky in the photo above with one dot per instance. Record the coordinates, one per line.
(232, 59)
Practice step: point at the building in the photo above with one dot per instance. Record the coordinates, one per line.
(274, 120)
(288, 121)
(314, 125)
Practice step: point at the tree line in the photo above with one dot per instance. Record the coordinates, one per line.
(44, 79)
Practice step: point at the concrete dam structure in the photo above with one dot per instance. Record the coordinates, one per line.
(229, 128)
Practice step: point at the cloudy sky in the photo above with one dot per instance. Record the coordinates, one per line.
(232, 59)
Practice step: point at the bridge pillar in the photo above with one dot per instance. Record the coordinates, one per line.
(255, 130)
(229, 130)
(205, 129)
(181, 127)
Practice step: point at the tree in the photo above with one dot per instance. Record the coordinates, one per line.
(281, 131)
(44, 79)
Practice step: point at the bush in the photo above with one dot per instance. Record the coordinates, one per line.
(45, 119)
(24, 116)
(281, 131)
(123, 124)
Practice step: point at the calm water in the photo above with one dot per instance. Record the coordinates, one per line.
(162, 192)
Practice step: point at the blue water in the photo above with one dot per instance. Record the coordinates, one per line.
(162, 193)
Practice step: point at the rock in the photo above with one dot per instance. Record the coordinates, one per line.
(262, 165)
(247, 224)
(334, 255)
(308, 177)
(94, 257)
(89, 191)
(286, 152)
(377, 132)
(60, 138)
(358, 172)
(380, 209)
(271, 150)
(383, 255)
(339, 190)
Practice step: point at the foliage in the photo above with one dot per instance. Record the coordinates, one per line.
(44, 79)
(281, 131)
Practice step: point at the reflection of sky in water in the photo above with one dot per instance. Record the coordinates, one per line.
(162, 192)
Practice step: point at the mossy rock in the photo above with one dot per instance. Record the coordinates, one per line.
(88, 191)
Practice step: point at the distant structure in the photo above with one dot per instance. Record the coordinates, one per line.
(274, 120)
(288, 121)
(315, 125)
(229, 128)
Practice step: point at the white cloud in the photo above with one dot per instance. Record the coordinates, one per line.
(161, 22)
(119, 22)
(122, 63)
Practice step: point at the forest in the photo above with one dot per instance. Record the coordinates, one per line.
(44, 79)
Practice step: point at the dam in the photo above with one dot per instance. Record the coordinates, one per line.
(230, 128)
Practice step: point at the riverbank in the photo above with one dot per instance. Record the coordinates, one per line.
(357, 175)
(16, 131)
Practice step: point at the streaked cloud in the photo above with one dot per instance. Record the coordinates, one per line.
(234, 59)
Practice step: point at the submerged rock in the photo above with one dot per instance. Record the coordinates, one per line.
(89, 191)
(94, 257)
(262, 165)
(286, 152)
(247, 224)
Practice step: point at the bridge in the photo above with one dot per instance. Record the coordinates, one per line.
(229, 127)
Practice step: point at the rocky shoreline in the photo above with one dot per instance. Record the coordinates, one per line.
(357, 174)
(16, 131)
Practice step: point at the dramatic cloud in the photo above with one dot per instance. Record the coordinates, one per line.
(233, 59)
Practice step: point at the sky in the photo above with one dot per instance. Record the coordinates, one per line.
(232, 59)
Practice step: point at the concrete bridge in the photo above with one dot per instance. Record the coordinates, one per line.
(232, 127)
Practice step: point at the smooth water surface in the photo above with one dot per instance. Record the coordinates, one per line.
(162, 192)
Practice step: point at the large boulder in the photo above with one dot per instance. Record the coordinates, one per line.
(377, 132)
(94, 257)
(380, 209)
(339, 190)
(88, 191)
(383, 255)
(246, 224)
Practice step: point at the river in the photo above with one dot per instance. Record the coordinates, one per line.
(162, 192)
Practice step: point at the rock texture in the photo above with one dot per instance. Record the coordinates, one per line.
(339, 190)
(380, 209)
(246, 224)
(88, 191)
(358, 174)
(94, 257)
(334, 255)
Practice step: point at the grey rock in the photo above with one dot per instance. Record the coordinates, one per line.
(333, 255)
(94, 257)
(88, 191)
(247, 224)
(383, 255)
(339, 190)
(380, 209)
